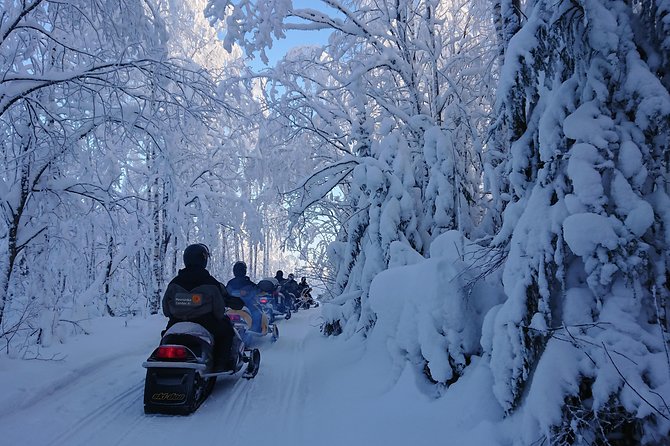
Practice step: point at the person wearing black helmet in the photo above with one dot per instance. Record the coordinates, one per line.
(291, 287)
(303, 285)
(241, 285)
(286, 300)
(240, 279)
(210, 310)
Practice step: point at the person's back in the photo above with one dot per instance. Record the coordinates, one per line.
(280, 277)
(303, 287)
(195, 296)
(241, 285)
(291, 285)
(240, 280)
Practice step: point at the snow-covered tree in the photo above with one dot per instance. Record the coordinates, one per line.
(581, 341)
(398, 100)
(92, 109)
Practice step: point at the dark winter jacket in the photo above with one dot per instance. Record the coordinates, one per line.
(240, 283)
(291, 286)
(194, 294)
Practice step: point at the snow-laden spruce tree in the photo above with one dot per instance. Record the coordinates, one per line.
(581, 342)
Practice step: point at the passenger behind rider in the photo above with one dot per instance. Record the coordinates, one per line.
(207, 307)
(247, 291)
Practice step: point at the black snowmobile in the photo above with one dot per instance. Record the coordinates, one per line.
(273, 300)
(180, 371)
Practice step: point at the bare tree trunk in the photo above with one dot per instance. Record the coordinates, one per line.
(254, 259)
(236, 242)
(225, 248)
(156, 261)
(175, 257)
(108, 273)
(266, 253)
(14, 220)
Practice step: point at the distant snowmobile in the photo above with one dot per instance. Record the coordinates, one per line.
(180, 371)
(305, 300)
(256, 323)
(272, 299)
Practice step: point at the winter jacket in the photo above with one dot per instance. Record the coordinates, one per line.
(291, 286)
(194, 294)
(239, 283)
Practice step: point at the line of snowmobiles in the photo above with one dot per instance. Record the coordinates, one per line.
(181, 371)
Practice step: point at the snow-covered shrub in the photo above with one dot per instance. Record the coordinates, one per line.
(430, 311)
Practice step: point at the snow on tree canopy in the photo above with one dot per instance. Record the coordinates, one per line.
(588, 254)
(585, 232)
(483, 189)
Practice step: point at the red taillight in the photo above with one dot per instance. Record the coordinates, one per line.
(263, 300)
(234, 317)
(171, 352)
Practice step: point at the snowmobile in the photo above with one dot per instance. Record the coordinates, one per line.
(265, 302)
(272, 300)
(305, 299)
(249, 326)
(181, 373)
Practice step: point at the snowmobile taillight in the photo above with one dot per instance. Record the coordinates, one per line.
(263, 300)
(234, 317)
(171, 352)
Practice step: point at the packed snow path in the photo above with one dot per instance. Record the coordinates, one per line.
(309, 390)
(101, 403)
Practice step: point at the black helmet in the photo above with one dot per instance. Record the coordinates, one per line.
(240, 269)
(196, 255)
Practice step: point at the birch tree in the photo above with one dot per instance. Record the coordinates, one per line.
(87, 85)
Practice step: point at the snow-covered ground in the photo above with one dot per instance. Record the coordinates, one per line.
(309, 390)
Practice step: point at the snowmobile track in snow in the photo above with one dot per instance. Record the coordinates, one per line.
(105, 414)
(101, 402)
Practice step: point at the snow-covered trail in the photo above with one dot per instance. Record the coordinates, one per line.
(101, 402)
(309, 390)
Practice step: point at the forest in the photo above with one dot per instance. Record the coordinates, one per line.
(466, 181)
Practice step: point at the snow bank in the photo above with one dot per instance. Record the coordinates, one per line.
(430, 312)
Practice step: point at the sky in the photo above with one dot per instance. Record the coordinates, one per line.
(293, 38)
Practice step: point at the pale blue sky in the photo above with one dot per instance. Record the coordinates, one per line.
(293, 38)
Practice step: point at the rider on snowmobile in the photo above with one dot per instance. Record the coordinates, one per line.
(304, 288)
(292, 287)
(247, 291)
(240, 280)
(287, 299)
(195, 296)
